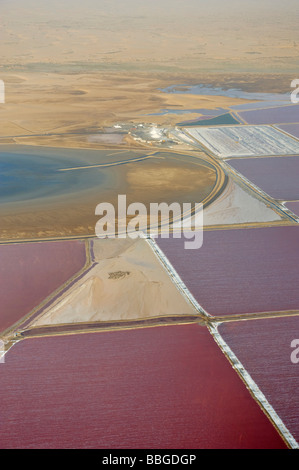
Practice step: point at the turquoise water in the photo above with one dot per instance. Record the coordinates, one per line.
(31, 176)
(223, 119)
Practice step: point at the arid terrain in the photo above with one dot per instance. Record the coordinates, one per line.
(133, 342)
(67, 72)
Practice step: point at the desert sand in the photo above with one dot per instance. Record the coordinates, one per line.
(59, 109)
(73, 68)
(166, 36)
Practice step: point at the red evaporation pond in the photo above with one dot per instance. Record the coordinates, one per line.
(293, 206)
(29, 272)
(162, 387)
(264, 348)
(277, 176)
(240, 271)
(292, 129)
(280, 114)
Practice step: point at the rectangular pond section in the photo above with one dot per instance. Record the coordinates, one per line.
(277, 176)
(154, 388)
(278, 115)
(240, 271)
(264, 349)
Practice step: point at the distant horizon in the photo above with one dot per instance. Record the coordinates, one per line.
(255, 36)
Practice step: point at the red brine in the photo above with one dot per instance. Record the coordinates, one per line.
(153, 388)
(29, 272)
(280, 114)
(277, 176)
(293, 206)
(265, 349)
(240, 271)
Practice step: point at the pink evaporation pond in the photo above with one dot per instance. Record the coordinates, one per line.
(279, 115)
(292, 129)
(293, 206)
(264, 348)
(29, 272)
(277, 176)
(240, 271)
(152, 388)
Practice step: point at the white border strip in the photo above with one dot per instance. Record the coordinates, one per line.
(253, 387)
(175, 277)
(2, 352)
